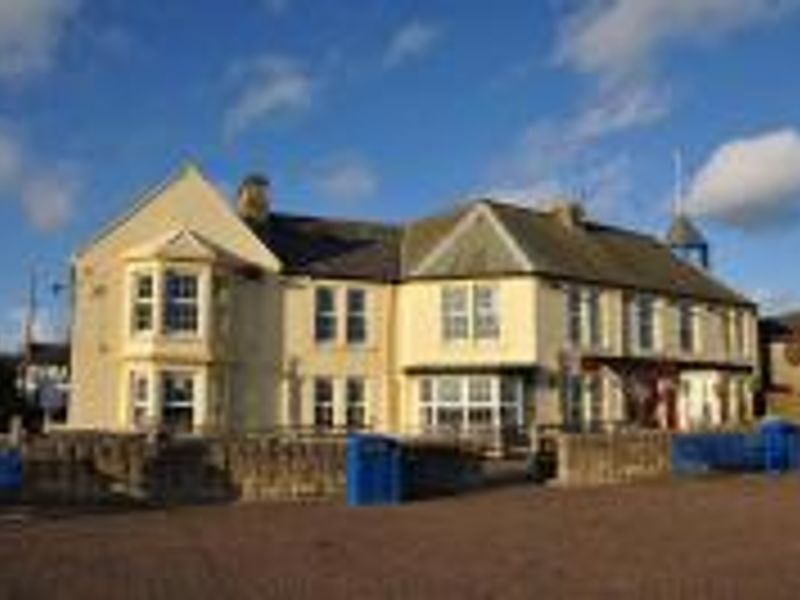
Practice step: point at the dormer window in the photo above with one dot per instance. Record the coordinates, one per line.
(180, 303)
(143, 303)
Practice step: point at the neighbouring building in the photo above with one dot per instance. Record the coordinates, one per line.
(780, 365)
(193, 316)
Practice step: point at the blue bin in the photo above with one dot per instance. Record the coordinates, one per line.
(373, 470)
(779, 443)
(10, 471)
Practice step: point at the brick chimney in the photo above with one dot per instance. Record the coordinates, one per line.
(570, 214)
(253, 200)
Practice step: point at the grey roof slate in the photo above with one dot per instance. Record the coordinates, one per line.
(590, 252)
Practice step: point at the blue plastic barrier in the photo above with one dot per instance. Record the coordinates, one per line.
(10, 471)
(374, 470)
(704, 452)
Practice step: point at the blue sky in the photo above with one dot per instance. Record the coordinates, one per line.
(389, 109)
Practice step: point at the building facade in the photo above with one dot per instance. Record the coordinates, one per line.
(780, 365)
(193, 316)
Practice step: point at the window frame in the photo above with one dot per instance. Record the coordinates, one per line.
(324, 407)
(181, 308)
(687, 326)
(485, 311)
(355, 404)
(325, 317)
(455, 313)
(139, 301)
(356, 317)
(167, 404)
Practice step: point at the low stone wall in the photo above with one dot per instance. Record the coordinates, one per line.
(599, 458)
(92, 468)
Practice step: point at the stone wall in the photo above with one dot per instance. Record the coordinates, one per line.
(94, 468)
(599, 458)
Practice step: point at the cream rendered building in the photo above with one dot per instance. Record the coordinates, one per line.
(193, 317)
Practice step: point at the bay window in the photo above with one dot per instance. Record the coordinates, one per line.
(139, 398)
(470, 404)
(143, 307)
(180, 303)
(177, 400)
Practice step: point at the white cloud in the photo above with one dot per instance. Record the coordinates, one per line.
(551, 161)
(413, 40)
(618, 109)
(275, 86)
(48, 199)
(346, 179)
(621, 38)
(46, 193)
(750, 181)
(30, 33)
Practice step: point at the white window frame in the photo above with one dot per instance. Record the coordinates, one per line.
(486, 312)
(356, 318)
(641, 302)
(139, 398)
(186, 322)
(325, 316)
(355, 403)
(143, 301)
(574, 316)
(470, 404)
(455, 312)
(324, 404)
(165, 403)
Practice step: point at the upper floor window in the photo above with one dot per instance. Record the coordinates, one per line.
(584, 316)
(486, 312)
(325, 315)
(143, 302)
(574, 316)
(180, 302)
(455, 312)
(739, 334)
(356, 316)
(595, 310)
(177, 400)
(686, 326)
(645, 321)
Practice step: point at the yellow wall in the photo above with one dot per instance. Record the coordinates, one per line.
(102, 349)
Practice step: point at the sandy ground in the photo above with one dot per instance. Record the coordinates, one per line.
(722, 538)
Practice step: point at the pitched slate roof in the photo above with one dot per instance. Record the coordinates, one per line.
(334, 248)
(589, 252)
(599, 253)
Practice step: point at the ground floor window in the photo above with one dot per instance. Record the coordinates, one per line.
(139, 398)
(323, 402)
(177, 400)
(470, 404)
(355, 403)
(582, 401)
